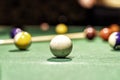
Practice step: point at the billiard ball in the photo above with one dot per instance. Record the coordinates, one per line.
(105, 33)
(44, 26)
(90, 33)
(61, 28)
(115, 28)
(22, 40)
(61, 46)
(114, 40)
(14, 31)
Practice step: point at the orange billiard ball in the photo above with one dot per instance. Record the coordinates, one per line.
(115, 28)
(105, 33)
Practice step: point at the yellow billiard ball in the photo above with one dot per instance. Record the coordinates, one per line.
(61, 29)
(22, 40)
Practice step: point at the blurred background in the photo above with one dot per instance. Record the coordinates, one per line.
(73, 12)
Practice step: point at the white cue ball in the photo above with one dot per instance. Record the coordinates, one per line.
(61, 46)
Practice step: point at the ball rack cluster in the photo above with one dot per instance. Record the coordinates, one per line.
(62, 48)
(110, 34)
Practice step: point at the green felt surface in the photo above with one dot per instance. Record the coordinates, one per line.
(89, 60)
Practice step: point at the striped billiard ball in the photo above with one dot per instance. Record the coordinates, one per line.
(114, 40)
(14, 31)
(22, 40)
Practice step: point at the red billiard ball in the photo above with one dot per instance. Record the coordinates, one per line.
(90, 33)
(115, 28)
(105, 33)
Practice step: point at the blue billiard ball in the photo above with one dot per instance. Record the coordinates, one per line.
(14, 31)
(114, 40)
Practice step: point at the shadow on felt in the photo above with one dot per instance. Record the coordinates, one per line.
(55, 59)
(118, 50)
(18, 50)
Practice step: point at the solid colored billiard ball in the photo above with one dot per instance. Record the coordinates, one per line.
(105, 33)
(61, 46)
(22, 40)
(114, 40)
(114, 28)
(90, 33)
(14, 31)
(61, 28)
(44, 26)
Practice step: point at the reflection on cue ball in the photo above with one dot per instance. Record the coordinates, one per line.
(61, 46)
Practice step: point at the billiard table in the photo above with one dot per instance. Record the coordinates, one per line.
(89, 59)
